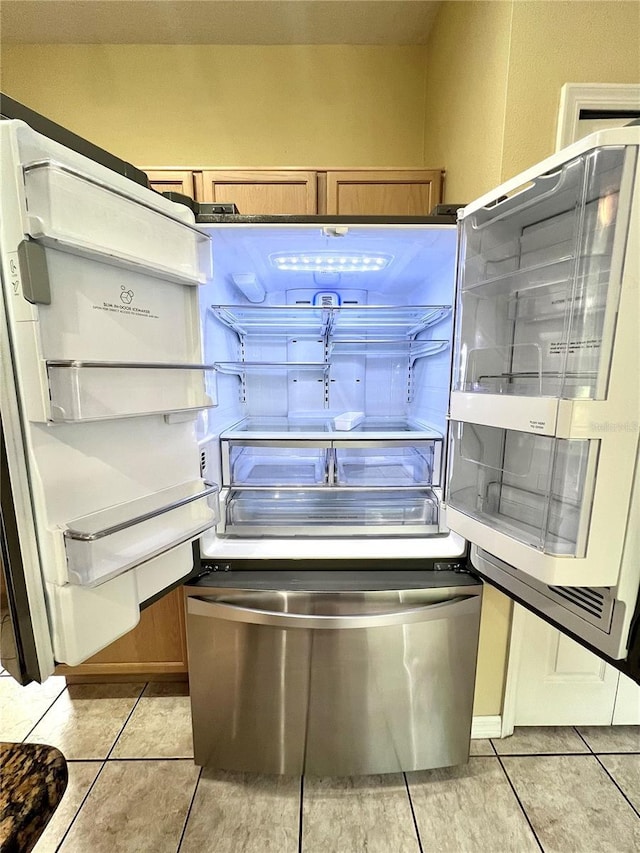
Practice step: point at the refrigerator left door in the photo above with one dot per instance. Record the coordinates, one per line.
(102, 381)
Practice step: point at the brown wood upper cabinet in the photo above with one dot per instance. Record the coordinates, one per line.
(387, 192)
(261, 191)
(341, 192)
(165, 181)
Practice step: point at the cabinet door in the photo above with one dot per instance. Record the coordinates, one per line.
(155, 647)
(267, 192)
(165, 181)
(401, 192)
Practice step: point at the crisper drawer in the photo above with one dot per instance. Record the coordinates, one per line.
(78, 212)
(533, 488)
(108, 542)
(330, 512)
(401, 464)
(268, 463)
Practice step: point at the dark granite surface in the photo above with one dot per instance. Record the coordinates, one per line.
(34, 778)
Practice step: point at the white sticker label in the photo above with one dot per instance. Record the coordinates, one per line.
(560, 347)
(537, 426)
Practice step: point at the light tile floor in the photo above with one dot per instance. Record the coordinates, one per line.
(133, 787)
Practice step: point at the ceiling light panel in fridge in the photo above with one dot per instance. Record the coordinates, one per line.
(331, 261)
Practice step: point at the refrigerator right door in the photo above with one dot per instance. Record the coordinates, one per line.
(544, 408)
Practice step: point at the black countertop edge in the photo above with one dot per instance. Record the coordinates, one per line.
(204, 218)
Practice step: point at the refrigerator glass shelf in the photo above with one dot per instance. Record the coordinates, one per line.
(106, 543)
(377, 320)
(100, 390)
(308, 426)
(76, 212)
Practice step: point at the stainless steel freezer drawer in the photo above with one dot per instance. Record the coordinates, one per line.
(362, 678)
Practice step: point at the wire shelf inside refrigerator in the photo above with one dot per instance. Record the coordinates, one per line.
(374, 347)
(243, 367)
(381, 321)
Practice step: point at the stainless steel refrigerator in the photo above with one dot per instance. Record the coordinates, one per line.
(373, 394)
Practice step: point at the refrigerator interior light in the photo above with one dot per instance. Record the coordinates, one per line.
(331, 261)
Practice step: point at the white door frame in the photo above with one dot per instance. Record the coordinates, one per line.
(573, 98)
(591, 96)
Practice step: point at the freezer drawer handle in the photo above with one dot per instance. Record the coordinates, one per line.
(458, 606)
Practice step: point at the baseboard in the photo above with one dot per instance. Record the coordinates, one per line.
(484, 727)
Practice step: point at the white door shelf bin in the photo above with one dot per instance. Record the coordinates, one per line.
(534, 488)
(330, 513)
(87, 391)
(540, 283)
(77, 213)
(106, 543)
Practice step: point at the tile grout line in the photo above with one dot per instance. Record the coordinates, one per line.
(582, 738)
(188, 814)
(41, 718)
(103, 764)
(413, 814)
(99, 773)
(137, 758)
(597, 758)
(300, 818)
(522, 808)
(536, 754)
(129, 715)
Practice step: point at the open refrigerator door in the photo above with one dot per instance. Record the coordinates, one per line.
(102, 380)
(545, 401)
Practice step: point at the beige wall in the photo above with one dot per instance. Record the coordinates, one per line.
(228, 105)
(556, 43)
(466, 87)
(494, 74)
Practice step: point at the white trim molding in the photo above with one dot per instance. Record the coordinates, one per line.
(592, 96)
(485, 727)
